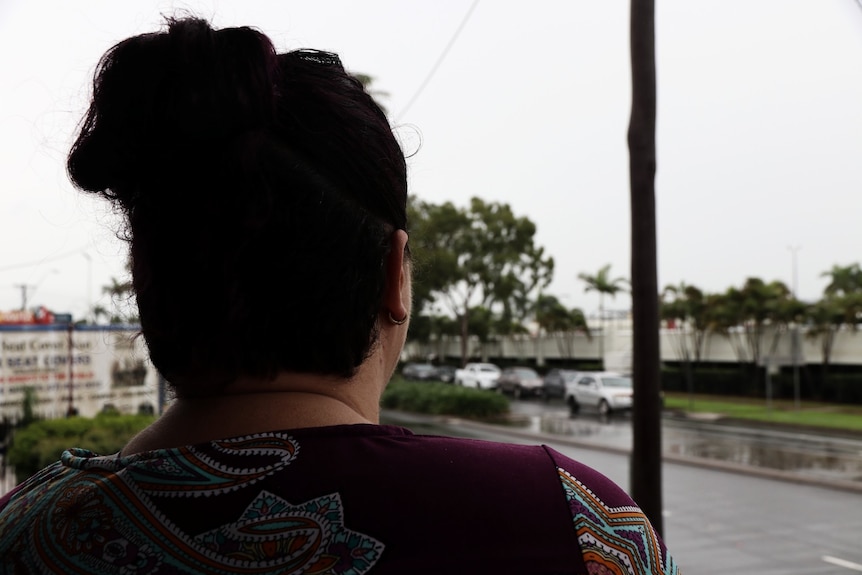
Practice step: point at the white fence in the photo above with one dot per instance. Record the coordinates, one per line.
(576, 346)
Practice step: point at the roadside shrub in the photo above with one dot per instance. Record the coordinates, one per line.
(838, 387)
(42, 442)
(714, 381)
(443, 399)
(842, 388)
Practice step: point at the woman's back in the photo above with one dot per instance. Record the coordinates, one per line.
(339, 499)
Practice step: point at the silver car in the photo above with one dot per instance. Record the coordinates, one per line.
(606, 391)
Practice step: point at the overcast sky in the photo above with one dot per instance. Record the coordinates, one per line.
(759, 128)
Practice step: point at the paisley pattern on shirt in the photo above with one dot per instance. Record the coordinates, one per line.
(614, 540)
(97, 515)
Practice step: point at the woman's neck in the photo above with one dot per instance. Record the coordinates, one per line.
(290, 401)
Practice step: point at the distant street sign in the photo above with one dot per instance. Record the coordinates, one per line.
(775, 361)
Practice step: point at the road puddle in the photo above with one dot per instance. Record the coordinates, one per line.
(805, 454)
(801, 453)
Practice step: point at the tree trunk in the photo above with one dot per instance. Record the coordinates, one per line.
(826, 348)
(646, 416)
(604, 325)
(465, 336)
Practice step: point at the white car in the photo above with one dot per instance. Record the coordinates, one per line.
(604, 390)
(479, 375)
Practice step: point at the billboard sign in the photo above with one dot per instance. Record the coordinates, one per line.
(81, 368)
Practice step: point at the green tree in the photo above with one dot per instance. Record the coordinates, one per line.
(745, 315)
(840, 308)
(480, 257)
(825, 319)
(122, 296)
(685, 309)
(554, 319)
(604, 285)
(435, 264)
(723, 317)
(43, 441)
(843, 280)
(551, 315)
(686, 306)
(28, 406)
(368, 83)
(99, 312)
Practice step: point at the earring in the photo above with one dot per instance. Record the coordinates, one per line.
(397, 321)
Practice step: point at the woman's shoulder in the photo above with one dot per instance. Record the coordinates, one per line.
(384, 487)
(612, 532)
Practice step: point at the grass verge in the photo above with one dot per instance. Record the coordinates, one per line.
(782, 412)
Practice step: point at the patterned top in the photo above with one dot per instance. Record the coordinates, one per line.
(342, 500)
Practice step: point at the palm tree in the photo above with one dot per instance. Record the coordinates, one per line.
(604, 285)
(367, 82)
(825, 319)
(122, 300)
(98, 312)
(553, 317)
(843, 280)
(840, 308)
(686, 307)
(687, 304)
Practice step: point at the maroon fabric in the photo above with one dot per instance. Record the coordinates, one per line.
(464, 506)
(437, 504)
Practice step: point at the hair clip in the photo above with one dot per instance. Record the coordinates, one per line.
(318, 57)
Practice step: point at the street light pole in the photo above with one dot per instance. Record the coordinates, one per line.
(89, 316)
(795, 334)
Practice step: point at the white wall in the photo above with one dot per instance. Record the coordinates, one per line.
(847, 348)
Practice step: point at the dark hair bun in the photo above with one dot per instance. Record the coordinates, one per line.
(262, 187)
(162, 100)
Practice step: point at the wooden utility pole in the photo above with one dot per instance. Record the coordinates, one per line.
(646, 416)
(24, 289)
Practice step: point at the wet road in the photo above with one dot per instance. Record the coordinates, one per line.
(716, 521)
(823, 458)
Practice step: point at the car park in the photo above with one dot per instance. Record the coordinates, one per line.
(605, 391)
(419, 371)
(520, 381)
(445, 373)
(554, 382)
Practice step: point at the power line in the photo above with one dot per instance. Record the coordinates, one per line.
(438, 62)
(35, 263)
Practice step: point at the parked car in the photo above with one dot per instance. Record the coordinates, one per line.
(445, 373)
(554, 382)
(419, 371)
(519, 381)
(479, 375)
(605, 391)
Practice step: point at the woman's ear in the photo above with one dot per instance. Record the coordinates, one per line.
(397, 295)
